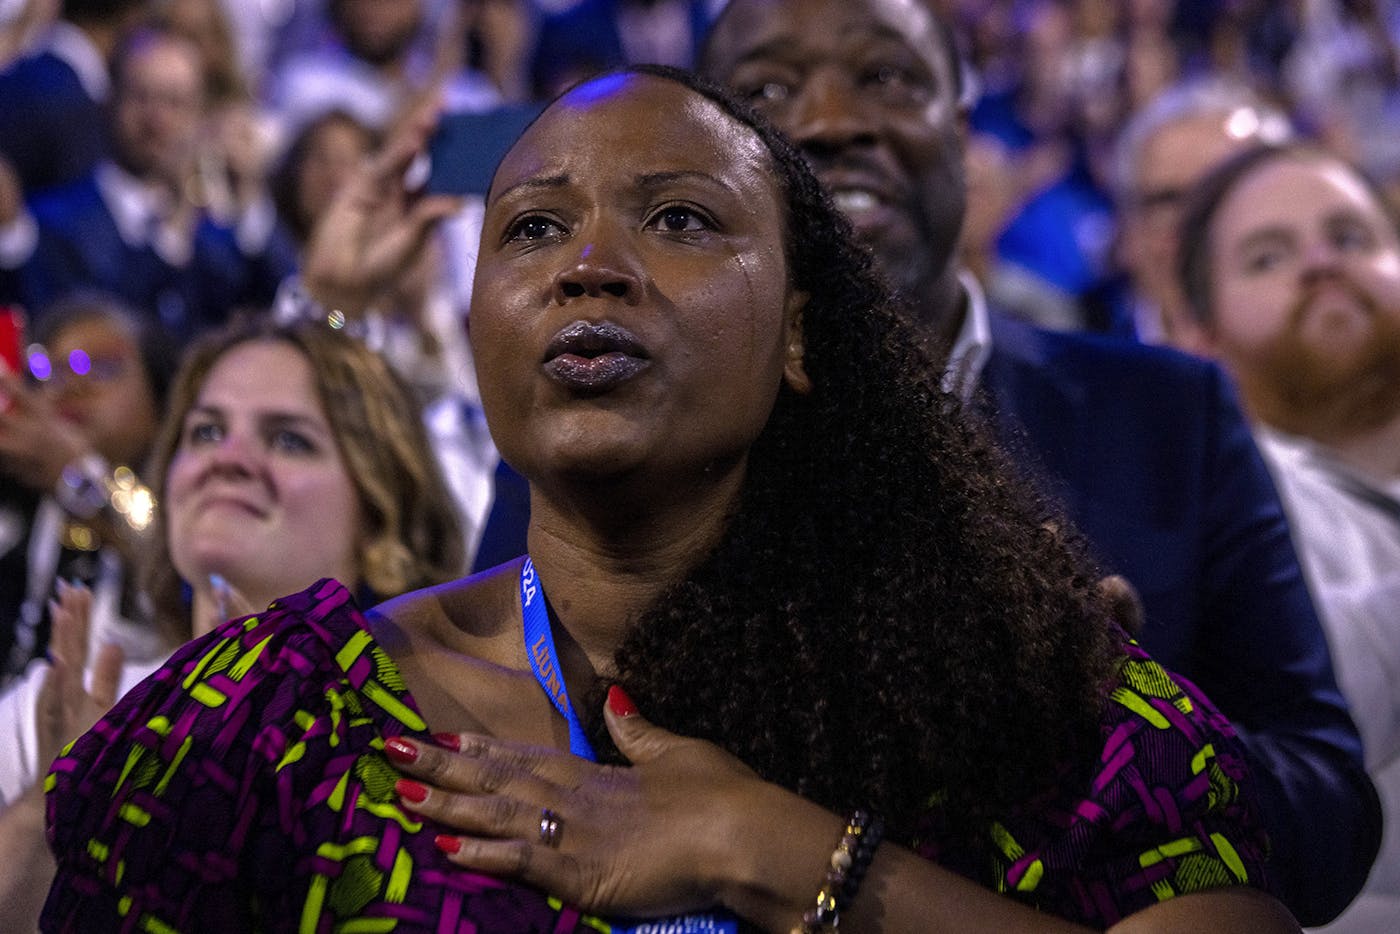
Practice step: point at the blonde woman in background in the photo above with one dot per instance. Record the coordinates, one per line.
(288, 454)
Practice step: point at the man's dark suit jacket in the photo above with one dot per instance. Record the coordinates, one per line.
(80, 248)
(50, 129)
(1148, 451)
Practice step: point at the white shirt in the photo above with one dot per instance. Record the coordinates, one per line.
(972, 346)
(19, 763)
(1347, 530)
(143, 214)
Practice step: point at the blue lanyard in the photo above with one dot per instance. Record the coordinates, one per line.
(544, 660)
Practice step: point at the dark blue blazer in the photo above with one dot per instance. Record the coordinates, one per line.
(50, 129)
(1147, 450)
(81, 248)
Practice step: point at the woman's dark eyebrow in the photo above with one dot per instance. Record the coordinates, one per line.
(1346, 217)
(547, 182)
(658, 179)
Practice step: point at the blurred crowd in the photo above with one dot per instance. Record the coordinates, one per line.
(279, 97)
(1058, 85)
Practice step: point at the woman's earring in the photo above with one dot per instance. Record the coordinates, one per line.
(795, 372)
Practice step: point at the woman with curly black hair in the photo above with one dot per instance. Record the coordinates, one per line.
(752, 515)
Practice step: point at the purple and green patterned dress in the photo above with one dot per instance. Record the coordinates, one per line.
(243, 787)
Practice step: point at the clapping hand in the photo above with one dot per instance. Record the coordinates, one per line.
(66, 709)
(375, 227)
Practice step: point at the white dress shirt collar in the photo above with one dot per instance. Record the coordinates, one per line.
(142, 214)
(973, 344)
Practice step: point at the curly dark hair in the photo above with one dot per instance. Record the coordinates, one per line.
(889, 616)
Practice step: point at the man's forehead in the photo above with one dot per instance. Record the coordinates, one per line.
(748, 26)
(1186, 149)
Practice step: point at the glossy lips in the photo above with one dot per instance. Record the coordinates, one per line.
(594, 358)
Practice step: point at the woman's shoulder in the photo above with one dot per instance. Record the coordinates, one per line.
(246, 675)
(1166, 808)
(248, 789)
(1162, 807)
(313, 632)
(480, 603)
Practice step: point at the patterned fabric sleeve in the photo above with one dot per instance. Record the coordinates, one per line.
(1168, 811)
(243, 788)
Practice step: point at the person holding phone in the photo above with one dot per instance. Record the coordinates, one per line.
(81, 416)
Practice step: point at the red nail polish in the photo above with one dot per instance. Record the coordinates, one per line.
(448, 741)
(400, 751)
(448, 844)
(410, 791)
(619, 703)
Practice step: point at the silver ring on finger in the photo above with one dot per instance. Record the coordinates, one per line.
(551, 828)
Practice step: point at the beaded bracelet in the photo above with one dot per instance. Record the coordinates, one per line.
(849, 862)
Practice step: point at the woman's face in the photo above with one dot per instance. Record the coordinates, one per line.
(632, 310)
(258, 491)
(334, 150)
(99, 384)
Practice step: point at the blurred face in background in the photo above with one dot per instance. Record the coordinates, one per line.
(1305, 296)
(867, 89)
(334, 147)
(98, 383)
(158, 108)
(258, 490)
(378, 31)
(1172, 160)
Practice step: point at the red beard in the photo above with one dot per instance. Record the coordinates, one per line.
(1328, 390)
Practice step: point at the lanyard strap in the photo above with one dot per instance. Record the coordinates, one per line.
(544, 660)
